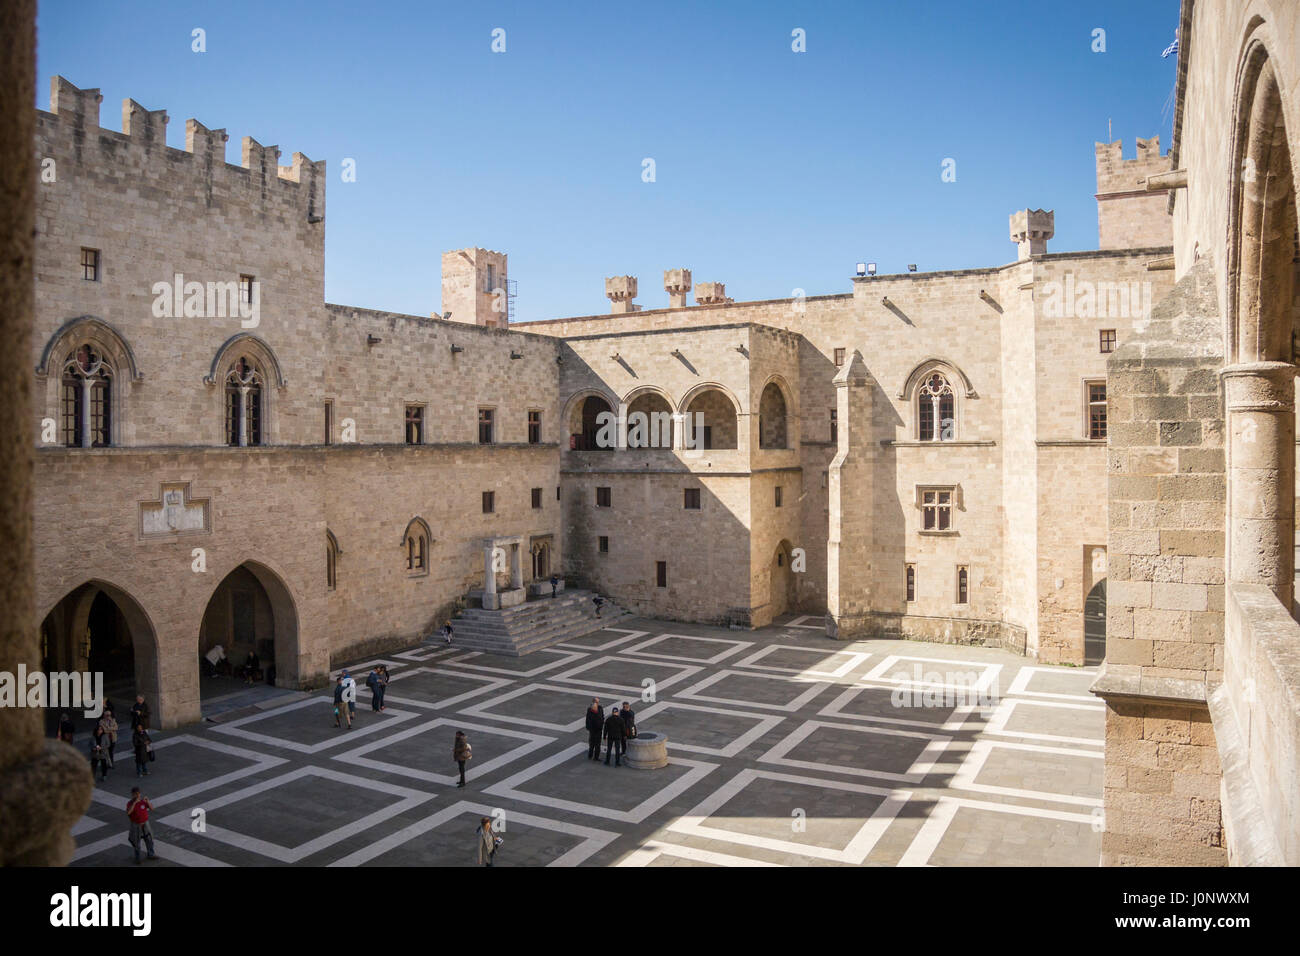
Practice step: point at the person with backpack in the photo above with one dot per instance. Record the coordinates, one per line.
(462, 753)
(383, 684)
(372, 681)
(143, 748)
(137, 811)
(488, 842)
(615, 732)
(555, 585)
(595, 726)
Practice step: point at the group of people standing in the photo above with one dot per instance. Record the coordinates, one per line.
(615, 729)
(103, 738)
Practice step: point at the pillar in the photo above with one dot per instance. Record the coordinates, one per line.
(490, 575)
(849, 560)
(516, 565)
(1259, 398)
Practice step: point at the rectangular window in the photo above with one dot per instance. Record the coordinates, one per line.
(936, 509)
(329, 423)
(245, 290)
(534, 427)
(1096, 410)
(90, 264)
(489, 502)
(71, 413)
(486, 416)
(778, 496)
(1107, 340)
(909, 580)
(835, 425)
(661, 574)
(491, 279)
(557, 492)
(537, 497)
(603, 498)
(692, 502)
(415, 424)
(963, 584)
(603, 545)
(839, 357)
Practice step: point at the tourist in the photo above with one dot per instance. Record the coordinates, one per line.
(599, 602)
(108, 724)
(99, 753)
(555, 585)
(341, 711)
(462, 753)
(251, 666)
(629, 723)
(383, 684)
(140, 712)
(66, 728)
(143, 748)
(372, 681)
(350, 695)
(446, 632)
(488, 842)
(137, 811)
(595, 726)
(614, 734)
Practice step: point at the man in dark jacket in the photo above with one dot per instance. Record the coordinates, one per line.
(140, 713)
(595, 726)
(614, 734)
(629, 725)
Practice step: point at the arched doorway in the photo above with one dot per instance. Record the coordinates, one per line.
(780, 587)
(251, 610)
(100, 629)
(1094, 624)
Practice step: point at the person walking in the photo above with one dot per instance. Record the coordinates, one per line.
(595, 726)
(143, 748)
(383, 684)
(599, 602)
(372, 681)
(140, 712)
(99, 753)
(108, 724)
(446, 632)
(350, 696)
(66, 728)
(340, 705)
(462, 753)
(555, 585)
(614, 735)
(137, 811)
(488, 842)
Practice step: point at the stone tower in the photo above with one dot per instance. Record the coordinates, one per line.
(1128, 215)
(474, 287)
(1030, 230)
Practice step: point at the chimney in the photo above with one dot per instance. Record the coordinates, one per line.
(1030, 230)
(711, 293)
(621, 290)
(677, 283)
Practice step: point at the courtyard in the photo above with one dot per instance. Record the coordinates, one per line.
(786, 749)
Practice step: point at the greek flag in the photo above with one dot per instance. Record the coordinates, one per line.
(1171, 49)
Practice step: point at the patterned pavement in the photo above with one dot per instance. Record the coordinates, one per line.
(785, 749)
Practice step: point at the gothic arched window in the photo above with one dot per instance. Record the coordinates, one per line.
(416, 540)
(244, 403)
(936, 410)
(87, 399)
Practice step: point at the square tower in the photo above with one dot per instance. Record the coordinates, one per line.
(475, 287)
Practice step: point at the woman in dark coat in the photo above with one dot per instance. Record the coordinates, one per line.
(66, 728)
(99, 753)
(142, 745)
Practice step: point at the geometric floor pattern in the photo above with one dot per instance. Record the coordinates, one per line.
(785, 749)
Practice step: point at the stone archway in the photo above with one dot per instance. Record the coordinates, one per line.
(251, 610)
(100, 628)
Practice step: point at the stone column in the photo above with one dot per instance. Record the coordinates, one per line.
(517, 565)
(44, 784)
(1259, 398)
(490, 575)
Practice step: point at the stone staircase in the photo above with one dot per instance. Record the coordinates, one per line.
(515, 631)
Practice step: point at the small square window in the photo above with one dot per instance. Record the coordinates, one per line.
(1107, 340)
(415, 424)
(486, 419)
(839, 357)
(90, 264)
(692, 502)
(489, 502)
(534, 427)
(537, 497)
(603, 497)
(778, 496)
(661, 574)
(603, 544)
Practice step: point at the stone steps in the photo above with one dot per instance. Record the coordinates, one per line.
(527, 627)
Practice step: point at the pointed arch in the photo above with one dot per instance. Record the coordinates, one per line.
(244, 342)
(92, 329)
(417, 545)
(955, 375)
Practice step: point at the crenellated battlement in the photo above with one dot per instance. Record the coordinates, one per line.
(1115, 174)
(80, 109)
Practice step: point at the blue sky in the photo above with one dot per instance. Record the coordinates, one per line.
(775, 170)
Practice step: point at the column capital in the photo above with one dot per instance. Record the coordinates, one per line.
(1259, 386)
